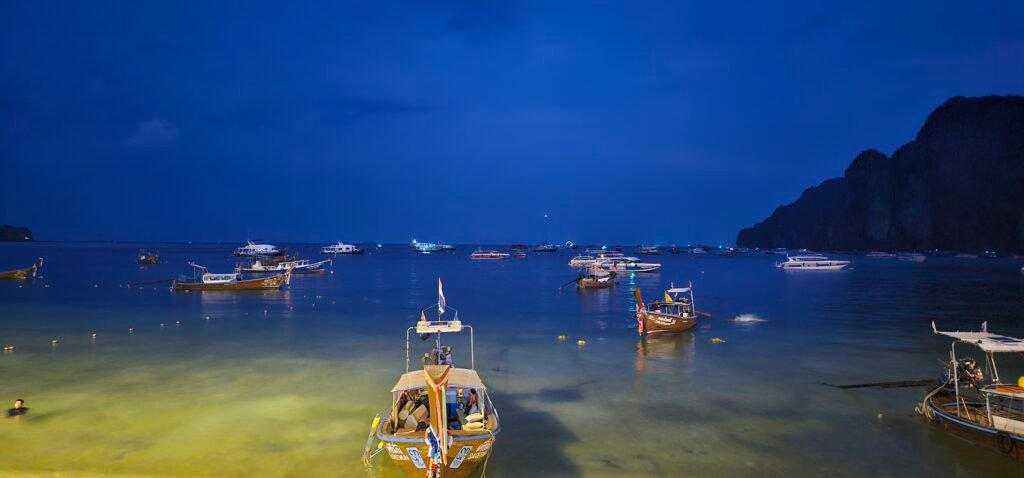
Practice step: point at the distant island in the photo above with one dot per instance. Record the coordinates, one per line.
(959, 185)
(11, 233)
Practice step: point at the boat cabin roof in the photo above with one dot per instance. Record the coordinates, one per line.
(986, 340)
(678, 290)
(457, 377)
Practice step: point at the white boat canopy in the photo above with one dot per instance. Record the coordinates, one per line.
(985, 340)
(678, 290)
(457, 377)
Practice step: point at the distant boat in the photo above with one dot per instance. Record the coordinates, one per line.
(489, 255)
(811, 262)
(698, 250)
(965, 256)
(991, 255)
(912, 257)
(881, 255)
(202, 279)
(149, 258)
(23, 273)
(425, 247)
(647, 250)
(252, 249)
(341, 249)
(595, 278)
(518, 247)
(519, 254)
(446, 247)
(545, 247)
(582, 261)
(778, 250)
(674, 314)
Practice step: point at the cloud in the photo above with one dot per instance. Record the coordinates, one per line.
(153, 132)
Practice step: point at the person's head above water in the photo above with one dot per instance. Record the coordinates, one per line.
(19, 403)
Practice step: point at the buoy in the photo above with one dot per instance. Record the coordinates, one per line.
(581, 342)
(717, 340)
(563, 338)
(1020, 381)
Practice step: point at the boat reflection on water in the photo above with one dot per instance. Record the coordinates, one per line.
(664, 353)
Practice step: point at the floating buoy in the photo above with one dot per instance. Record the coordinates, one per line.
(717, 340)
(581, 342)
(1020, 381)
(563, 338)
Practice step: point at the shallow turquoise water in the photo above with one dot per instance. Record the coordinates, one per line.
(286, 383)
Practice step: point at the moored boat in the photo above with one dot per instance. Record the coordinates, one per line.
(149, 258)
(252, 249)
(628, 264)
(647, 250)
(488, 255)
(519, 254)
(978, 408)
(341, 249)
(22, 273)
(595, 278)
(425, 247)
(582, 261)
(545, 247)
(674, 314)
(441, 422)
(881, 255)
(912, 257)
(811, 262)
(303, 266)
(202, 279)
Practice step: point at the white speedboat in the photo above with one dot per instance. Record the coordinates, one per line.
(627, 265)
(582, 261)
(425, 247)
(648, 250)
(341, 249)
(252, 249)
(489, 255)
(811, 262)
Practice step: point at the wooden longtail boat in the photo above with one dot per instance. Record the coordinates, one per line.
(441, 422)
(982, 410)
(595, 278)
(22, 273)
(204, 280)
(674, 314)
(146, 257)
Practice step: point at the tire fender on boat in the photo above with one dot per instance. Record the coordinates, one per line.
(1006, 443)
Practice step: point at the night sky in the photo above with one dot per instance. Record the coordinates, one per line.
(467, 122)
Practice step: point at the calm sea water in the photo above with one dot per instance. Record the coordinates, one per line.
(286, 383)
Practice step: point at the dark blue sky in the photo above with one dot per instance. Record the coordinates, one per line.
(465, 121)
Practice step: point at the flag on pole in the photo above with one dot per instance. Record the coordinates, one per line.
(440, 298)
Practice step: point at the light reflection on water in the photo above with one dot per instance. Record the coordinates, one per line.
(285, 383)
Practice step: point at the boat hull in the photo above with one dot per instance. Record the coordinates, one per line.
(266, 283)
(657, 324)
(943, 406)
(410, 455)
(17, 274)
(809, 267)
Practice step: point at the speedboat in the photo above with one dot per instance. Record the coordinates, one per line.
(674, 314)
(648, 250)
(202, 279)
(811, 262)
(341, 249)
(441, 421)
(978, 408)
(425, 247)
(252, 249)
(582, 261)
(628, 264)
(489, 255)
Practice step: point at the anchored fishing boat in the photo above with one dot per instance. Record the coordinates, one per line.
(674, 314)
(489, 255)
(303, 266)
(982, 410)
(441, 422)
(811, 262)
(627, 264)
(252, 249)
(149, 258)
(202, 279)
(595, 278)
(22, 273)
(341, 249)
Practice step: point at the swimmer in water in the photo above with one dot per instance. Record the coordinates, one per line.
(18, 410)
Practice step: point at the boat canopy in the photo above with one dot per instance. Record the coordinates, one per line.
(457, 377)
(424, 327)
(985, 340)
(678, 290)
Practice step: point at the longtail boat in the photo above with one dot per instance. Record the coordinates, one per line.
(204, 280)
(595, 278)
(23, 273)
(674, 314)
(982, 410)
(146, 257)
(441, 422)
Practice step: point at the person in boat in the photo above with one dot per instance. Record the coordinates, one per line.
(451, 401)
(18, 410)
(472, 403)
(427, 359)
